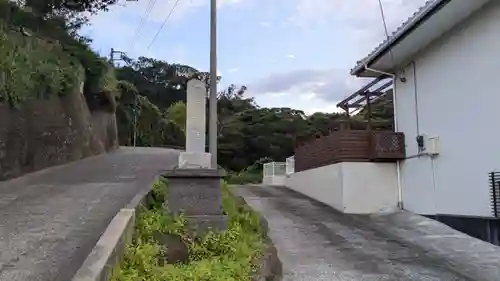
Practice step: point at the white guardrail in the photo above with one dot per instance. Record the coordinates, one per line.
(275, 173)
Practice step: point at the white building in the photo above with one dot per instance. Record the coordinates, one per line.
(445, 61)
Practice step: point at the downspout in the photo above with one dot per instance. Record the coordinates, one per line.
(398, 165)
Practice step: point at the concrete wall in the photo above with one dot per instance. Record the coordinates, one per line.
(357, 188)
(451, 92)
(48, 132)
(275, 180)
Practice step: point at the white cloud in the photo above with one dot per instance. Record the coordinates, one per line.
(290, 56)
(320, 89)
(307, 89)
(231, 70)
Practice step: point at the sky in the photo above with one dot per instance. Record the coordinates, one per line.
(289, 53)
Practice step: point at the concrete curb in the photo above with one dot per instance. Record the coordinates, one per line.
(109, 249)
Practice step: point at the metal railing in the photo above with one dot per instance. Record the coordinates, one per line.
(290, 165)
(495, 193)
(274, 169)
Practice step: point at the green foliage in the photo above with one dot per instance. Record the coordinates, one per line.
(249, 175)
(156, 89)
(244, 177)
(177, 115)
(40, 58)
(52, 6)
(31, 67)
(225, 256)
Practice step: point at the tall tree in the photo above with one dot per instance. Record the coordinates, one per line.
(47, 7)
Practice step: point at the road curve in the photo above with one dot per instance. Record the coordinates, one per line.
(50, 220)
(317, 243)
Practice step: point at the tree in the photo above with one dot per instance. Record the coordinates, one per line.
(176, 113)
(247, 133)
(48, 7)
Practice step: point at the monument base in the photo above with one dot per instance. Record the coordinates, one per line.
(204, 224)
(197, 194)
(194, 160)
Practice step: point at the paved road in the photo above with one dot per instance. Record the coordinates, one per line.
(318, 243)
(50, 220)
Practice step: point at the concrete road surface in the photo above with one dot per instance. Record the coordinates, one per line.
(50, 220)
(317, 243)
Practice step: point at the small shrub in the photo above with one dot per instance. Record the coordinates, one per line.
(224, 256)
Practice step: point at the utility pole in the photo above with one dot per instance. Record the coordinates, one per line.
(212, 128)
(121, 57)
(112, 54)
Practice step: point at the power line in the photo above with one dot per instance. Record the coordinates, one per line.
(381, 6)
(149, 8)
(163, 24)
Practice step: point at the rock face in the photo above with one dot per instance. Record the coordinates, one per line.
(48, 132)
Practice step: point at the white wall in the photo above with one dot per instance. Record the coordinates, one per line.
(356, 188)
(279, 180)
(458, 101)
(369, 187)
(323, 184)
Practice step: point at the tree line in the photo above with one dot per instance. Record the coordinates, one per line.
(151, 101)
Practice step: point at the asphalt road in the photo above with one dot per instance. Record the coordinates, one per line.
(317, 243)
(50, 220)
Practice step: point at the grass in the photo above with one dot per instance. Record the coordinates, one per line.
(225, 256)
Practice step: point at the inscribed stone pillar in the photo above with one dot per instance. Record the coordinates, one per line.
(195, 155)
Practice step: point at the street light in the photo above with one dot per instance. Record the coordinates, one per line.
(212, 128)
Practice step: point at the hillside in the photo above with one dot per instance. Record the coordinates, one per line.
(57, 98)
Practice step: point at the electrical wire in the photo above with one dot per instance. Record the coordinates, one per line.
(137, 32)
(163, 24)
(382, 13)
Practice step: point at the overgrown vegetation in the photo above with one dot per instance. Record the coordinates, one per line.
(41, 57)
(226, 256)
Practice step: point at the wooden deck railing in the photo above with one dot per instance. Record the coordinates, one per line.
(349, 146)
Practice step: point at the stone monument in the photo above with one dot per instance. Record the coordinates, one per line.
(195, 155)
(194, 186)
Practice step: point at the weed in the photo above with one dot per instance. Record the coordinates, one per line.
(221, 256)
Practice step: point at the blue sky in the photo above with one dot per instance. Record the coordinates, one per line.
(290, 53)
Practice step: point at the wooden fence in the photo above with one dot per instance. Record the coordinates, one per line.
(349, 146)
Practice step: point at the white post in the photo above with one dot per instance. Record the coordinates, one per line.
(195, 155)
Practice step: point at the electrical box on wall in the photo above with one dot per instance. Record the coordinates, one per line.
(432, 145)
(428, 145)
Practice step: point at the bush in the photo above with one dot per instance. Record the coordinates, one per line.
(38, 57)
(225, 256)
(244, 177)
(30, 67)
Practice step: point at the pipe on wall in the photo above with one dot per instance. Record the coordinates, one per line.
(398, 164)
(417, 125)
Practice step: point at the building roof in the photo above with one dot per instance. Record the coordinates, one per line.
(427, 24)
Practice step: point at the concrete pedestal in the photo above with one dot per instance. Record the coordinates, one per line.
(196, 193)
